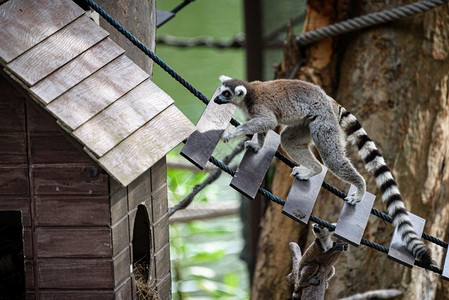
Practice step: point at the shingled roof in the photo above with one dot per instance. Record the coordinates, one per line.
(71, 68)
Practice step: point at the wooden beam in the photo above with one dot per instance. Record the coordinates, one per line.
(254, 165)
(354, 218)
(302, 197)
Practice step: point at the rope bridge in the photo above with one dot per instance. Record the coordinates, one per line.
(199, 156)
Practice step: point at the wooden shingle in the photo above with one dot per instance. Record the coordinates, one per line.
(105, 101)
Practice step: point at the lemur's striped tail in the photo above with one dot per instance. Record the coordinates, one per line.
(391, 196)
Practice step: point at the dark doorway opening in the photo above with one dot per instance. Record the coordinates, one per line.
(141, 244)
(12, 274)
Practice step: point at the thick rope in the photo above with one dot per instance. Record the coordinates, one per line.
(368, 20)
(203, 98)
(238, 41)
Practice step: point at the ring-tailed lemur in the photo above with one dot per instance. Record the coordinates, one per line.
(322, 253)
(312, 117)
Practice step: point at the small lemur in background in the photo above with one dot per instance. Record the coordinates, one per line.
(322, 253)
(312, 117)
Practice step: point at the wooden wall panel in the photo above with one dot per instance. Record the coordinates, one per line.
(14, 181)
(21, 204)
(159, 203)
(29, 275)
(57, 50)
(77, 70)
(69, 180)
(25, 23)
(119, 205)
(75, 295)
(120, 237)
(122, 264)
(124, 292)
(13, 148)
(54, 147)
(12, 108)
(161, 258)
(27, 243)
(40, 120)
(159, 174)
(76, 273)
(163, 286)
(73, 242)
(160, 234)
(139, 191)
(72, 211)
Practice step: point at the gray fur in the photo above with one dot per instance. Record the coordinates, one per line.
(313, 118)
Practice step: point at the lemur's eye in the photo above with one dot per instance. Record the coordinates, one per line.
(226, 94)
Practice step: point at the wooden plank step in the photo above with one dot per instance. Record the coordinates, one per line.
(354, 218)
(142, 149)
(397, 251)
(77, 70)
(445, 274)
(57, 50)
(104, 131)
(254, 165)
(210, 127)
(302, 197)
(25, 23)
(93, 94)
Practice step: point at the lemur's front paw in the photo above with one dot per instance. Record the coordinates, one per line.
(353, 199)
(255, 146)
(227, 136)
(302, 173)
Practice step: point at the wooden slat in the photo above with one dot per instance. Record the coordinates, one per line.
(72, 211)
(73, 242)
(57, 50)
(302, 197)
(254, 166)
(68, 180)
(124, 291)
(77, 70)
(14, 181)
(145, 147)
(163, 287)
(54, 147)
(71, 273)
(93, 94)
(13, 148)
(161, 258)
(445, 274)
(139, 190)
(120, 236)
(397, 251)
(123, 117)
(25, 23)
(76, 294)
(354, 218)
(13, 203)
(38, 119)
(160, 234)
(210, 127)
(159, 203)
(122, 268)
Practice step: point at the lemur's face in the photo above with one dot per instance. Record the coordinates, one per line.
(321, 232)
(230, 91)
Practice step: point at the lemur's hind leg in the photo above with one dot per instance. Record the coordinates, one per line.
(295, 140)
(326, 136)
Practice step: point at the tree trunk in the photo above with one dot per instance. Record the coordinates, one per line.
(394, 78)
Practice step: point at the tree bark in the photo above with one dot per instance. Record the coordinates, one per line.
(395, 79)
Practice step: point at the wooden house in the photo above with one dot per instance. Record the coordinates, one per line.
(83, 138)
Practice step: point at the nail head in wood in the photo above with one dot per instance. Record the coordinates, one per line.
(254, 166)
(302, 197)
(209, 129)
(354, 218)
(397, 251)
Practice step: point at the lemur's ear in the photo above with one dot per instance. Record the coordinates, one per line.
(240, 90)
(224, 78)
